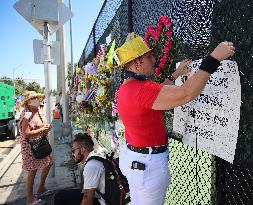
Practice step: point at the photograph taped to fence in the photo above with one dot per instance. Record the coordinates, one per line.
(213, 117)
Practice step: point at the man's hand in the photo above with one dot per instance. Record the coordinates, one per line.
(183, 68)
(223, 51)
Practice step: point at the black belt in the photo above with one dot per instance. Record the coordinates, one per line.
(145, 150)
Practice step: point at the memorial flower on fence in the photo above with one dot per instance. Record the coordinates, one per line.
(99, 93)
(160, 38)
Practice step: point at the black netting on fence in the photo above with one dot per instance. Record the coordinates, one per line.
(198, 177)
(234, 183)
(233, 21)
(89, 48)
(105, 17)
(192, 20)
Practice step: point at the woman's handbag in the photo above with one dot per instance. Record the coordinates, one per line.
(40, 147)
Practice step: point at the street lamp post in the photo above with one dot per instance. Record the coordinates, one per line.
(13, 79)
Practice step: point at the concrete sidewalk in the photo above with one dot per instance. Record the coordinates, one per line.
(12, 184)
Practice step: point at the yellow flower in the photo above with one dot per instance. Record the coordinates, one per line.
(95, 109)
(78, 70)
(101, 69)
(102, 98)
(111, 68)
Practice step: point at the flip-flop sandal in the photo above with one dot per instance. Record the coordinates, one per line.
(46, 193)
(37, 202)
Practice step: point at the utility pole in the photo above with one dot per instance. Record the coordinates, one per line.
(13, 77)
(72, 62)
(63, 68)
(63, 65)
(71, 42)
(47, 62)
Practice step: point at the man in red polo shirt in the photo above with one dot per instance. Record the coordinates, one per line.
(141, 102)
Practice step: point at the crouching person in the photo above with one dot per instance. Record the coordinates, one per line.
(103, 182)
(93, 176)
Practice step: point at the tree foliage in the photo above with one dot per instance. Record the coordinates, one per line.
(21, 86)
(6, 80)
(35, 87)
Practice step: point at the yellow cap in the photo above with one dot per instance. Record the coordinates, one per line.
(131, 50)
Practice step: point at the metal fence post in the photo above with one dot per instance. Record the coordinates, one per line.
(94, 40)
(130, 16)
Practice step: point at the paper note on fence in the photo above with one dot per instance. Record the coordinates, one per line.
(213, 117)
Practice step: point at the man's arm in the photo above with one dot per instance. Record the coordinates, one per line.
(174, 96)
(88, 196)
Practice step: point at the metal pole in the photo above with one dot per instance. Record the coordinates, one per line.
(65, 109)
(13, 81)
(94, 40)
(59, 71)
(13, 77)
(130, 16)
(47, 62)
(72, 61)
(71, 41)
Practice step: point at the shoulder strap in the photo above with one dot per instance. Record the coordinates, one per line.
(40, 117)
(30, 118)
(103, 161)
(118, 178)
(33, 113)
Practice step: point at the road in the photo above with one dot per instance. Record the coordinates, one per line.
(6, 147)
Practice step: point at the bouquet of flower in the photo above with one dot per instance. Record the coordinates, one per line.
(161, 40)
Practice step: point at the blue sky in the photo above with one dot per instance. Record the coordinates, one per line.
(17, 39)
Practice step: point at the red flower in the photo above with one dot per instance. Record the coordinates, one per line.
(156, 37)
(160, 26)
(162, 65)
(169, 24)
(163, 59)
(147, 35)
(164, 19)
(156, 34)
(150, 28)
(159, 37)
(168, 44)
(166, 49)
(169, 33)
(157, 72)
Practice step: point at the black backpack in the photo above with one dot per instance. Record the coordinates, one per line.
(116, 185)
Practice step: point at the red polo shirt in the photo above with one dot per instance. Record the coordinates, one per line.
(144, 127)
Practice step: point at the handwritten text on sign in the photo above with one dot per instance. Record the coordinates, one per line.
(213, 117)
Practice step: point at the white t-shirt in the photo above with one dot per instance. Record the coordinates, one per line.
(94, 177)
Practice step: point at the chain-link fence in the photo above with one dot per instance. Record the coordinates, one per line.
(197, 177)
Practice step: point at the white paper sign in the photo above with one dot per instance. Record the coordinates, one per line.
(213, 117)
